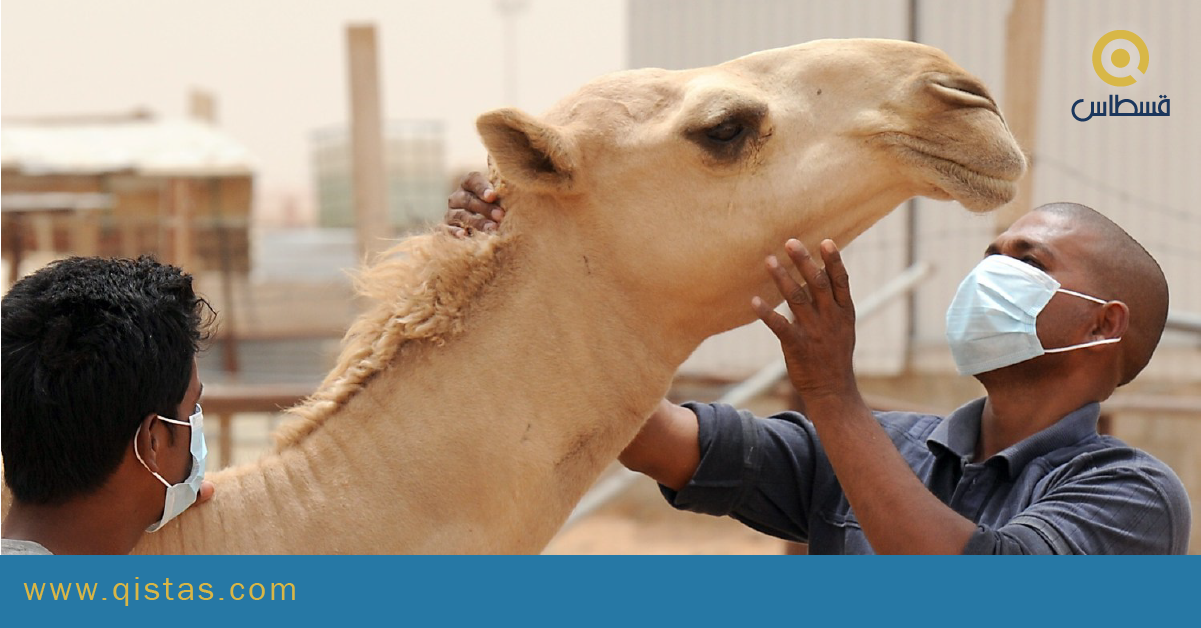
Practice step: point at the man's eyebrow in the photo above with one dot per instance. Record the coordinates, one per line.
(1022, 245)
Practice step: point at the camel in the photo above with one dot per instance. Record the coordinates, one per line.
(495, 377)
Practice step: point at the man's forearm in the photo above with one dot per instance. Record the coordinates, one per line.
(667, 448)
(899, 515)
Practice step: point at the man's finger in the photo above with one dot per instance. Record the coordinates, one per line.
(840, 279)
(479, 185)
(779, 325)
(465, 218)
(793, 292)
(815, 278)
(207, 489)
(464, 199)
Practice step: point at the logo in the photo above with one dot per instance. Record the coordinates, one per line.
(1120, 58)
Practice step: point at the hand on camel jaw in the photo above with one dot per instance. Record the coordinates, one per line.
(819, 342)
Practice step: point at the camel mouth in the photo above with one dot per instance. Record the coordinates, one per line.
(976, 188)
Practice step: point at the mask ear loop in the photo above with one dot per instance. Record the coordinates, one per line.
(139, 456)
(1082, 296)
(1107, 341)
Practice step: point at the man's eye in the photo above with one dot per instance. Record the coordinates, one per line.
(1033, 262)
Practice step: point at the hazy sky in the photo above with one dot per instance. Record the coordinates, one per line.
(278, 67)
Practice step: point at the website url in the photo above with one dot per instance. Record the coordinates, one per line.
(151, 591)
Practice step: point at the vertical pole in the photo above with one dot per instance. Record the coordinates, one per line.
(229, 328)
(202, 106)
(1023, 71)
(367, 150)
(911, 226)
(225, 441)
(509, 10)
(181, 241)
(43, 230)
(14, 246)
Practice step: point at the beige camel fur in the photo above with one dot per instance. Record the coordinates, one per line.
(497, 376)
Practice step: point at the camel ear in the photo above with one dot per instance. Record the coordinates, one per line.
(527, 152)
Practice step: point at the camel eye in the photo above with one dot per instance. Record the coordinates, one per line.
(728, 139)
(727, 131)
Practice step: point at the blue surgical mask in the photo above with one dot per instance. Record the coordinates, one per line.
(991, 321)
(182, 495)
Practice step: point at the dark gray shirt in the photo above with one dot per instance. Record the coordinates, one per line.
(1064, 490)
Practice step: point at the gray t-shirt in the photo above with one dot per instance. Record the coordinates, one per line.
(29, 548)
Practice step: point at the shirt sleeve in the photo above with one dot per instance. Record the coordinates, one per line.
(758, 470)
(1105, 510)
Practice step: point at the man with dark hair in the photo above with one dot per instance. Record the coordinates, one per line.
(1064, 308)
(102, 433)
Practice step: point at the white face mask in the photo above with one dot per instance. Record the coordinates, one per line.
(991, 321)
(182, 495)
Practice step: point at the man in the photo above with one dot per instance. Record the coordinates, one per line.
(102, 431)
(1065, 308)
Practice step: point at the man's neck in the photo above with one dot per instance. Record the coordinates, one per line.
(1021, 404)
(94, 524)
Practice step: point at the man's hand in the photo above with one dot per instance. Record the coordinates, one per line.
(897, 512)
(473, 206)
(818, 347)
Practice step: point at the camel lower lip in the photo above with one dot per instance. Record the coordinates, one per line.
(977, 191)
(993, 179)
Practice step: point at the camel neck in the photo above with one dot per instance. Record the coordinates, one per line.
(434, 455)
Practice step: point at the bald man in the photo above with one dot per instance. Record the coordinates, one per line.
(1064, 308)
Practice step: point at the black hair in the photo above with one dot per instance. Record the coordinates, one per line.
(90, 347)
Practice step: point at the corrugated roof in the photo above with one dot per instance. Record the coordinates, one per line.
(145, 146)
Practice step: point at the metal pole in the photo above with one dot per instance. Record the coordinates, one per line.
(1183, 321)
(509, 9)
(911, 222)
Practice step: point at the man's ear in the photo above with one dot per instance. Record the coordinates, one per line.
(150, 445)
(527, 152)
(1112, 321)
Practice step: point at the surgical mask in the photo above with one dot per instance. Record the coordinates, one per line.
(991, 321)
(182, 495)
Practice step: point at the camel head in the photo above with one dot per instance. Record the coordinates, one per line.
(676, 184)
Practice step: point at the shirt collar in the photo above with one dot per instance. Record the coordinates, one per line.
(958, 432)
(1072, 428)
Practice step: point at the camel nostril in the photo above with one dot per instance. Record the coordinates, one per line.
(964, 92)
(968, 86)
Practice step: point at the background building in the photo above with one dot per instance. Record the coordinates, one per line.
(126, 185)
(415, 166)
